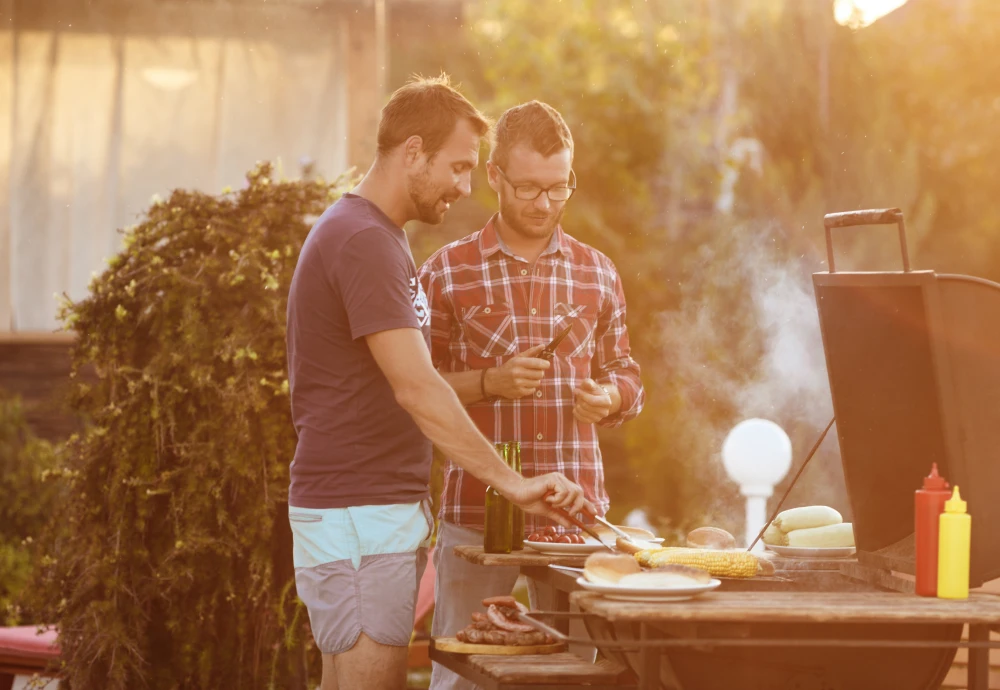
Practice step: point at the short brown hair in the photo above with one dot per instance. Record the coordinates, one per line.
(534, 123)
(428, 108)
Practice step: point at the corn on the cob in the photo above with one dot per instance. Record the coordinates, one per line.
(806, 517)
(716, 562)
(830, 536)
(774, 536)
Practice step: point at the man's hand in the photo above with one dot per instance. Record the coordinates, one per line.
(592, 402)
(518, 376)
(544, 494)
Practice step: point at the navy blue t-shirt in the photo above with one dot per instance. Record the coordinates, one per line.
(356, 445)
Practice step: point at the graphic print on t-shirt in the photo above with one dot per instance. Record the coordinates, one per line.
(419, 299)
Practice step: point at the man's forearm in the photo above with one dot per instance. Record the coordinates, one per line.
(466, 384)
(438, 411)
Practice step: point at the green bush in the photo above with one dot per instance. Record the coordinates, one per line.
(170, 574)
(27, 501)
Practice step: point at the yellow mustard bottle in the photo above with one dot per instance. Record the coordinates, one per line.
(954, 545)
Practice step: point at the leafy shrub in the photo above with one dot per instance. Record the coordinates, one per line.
(171, 575)
(27, 501)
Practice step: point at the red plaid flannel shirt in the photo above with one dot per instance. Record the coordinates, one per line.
(486, 306)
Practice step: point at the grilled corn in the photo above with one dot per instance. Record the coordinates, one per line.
(806, 517)
(774, 536)
(830, 536)
(716, 562)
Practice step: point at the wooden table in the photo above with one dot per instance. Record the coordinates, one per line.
(979, 612)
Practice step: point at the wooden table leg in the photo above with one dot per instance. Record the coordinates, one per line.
(979, 658)
(649, 662)
(562, 605)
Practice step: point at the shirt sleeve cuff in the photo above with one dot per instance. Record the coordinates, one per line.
(629, 395)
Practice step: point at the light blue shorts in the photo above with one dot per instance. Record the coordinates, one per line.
(358, 570)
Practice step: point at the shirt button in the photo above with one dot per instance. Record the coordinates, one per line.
(539, 437)
(524, 272)
(533, 311)
(538, 394)
(486, 310)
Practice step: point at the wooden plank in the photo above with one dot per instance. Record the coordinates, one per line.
(454, 646)
(547, 669)
(553, 671)
(525, 557)
(799, 607)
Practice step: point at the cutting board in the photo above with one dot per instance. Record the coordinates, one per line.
(450, 644)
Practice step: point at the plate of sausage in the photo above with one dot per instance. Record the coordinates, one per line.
(548, 541)
(498, 631)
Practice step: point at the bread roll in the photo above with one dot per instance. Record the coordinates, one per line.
(608, 568)
(710, 538)
(667, 577)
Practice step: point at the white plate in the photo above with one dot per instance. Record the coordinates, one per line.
(589, 545)
(808, 552)
(648, 594)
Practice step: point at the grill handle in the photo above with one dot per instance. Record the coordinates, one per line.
(880, 216)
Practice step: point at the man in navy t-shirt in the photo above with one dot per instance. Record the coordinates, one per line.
(367, 402)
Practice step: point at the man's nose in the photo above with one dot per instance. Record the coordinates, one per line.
(465, 184)
(542, 202)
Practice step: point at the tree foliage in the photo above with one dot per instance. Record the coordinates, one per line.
(167, 578)
(28, 500)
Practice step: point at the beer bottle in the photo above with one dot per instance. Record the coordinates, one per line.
(517, 517)
(498, 524)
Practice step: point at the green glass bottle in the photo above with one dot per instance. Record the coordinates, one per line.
(498, 524)
(517, 517)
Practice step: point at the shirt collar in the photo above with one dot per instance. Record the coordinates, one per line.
(490, 242)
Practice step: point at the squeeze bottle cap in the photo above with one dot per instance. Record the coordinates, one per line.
(934, 481)
(955, 504)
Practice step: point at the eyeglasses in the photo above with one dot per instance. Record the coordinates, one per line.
(530, 192)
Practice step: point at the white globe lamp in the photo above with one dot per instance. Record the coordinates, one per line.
(757, 455)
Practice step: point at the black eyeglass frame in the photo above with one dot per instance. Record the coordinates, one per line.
(571, 186)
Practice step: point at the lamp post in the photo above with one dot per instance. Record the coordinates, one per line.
(757, 454)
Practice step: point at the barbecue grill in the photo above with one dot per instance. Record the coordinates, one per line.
(913, 359)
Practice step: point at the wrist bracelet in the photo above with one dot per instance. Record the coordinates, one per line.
(482, 384)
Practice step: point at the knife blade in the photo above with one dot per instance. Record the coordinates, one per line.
(550, 350)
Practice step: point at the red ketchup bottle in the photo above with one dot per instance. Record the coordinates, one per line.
(928, 506)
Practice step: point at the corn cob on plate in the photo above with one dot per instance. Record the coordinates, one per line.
(718, 563)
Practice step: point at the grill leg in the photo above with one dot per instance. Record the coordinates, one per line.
(979, 658)
(649, 662)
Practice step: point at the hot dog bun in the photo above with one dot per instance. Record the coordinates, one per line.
(608, 568)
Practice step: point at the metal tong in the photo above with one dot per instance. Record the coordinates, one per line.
(589, 530)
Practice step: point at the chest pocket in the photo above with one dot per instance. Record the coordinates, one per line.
(580, 341)
(489, 330)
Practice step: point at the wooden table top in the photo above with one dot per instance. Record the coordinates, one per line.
(529, 557)
(799, 607)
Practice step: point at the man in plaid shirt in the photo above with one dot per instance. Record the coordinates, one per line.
(497, 297)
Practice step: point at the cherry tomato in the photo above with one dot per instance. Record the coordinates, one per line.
(565, 539)
(548, 539)
(550, 530)
(578, 539)
(534, 536)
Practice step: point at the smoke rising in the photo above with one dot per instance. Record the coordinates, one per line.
(746, 343)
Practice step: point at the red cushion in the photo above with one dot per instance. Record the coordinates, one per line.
(27, 643)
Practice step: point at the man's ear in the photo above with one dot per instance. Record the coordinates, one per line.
(492, 176)
(413, 148)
